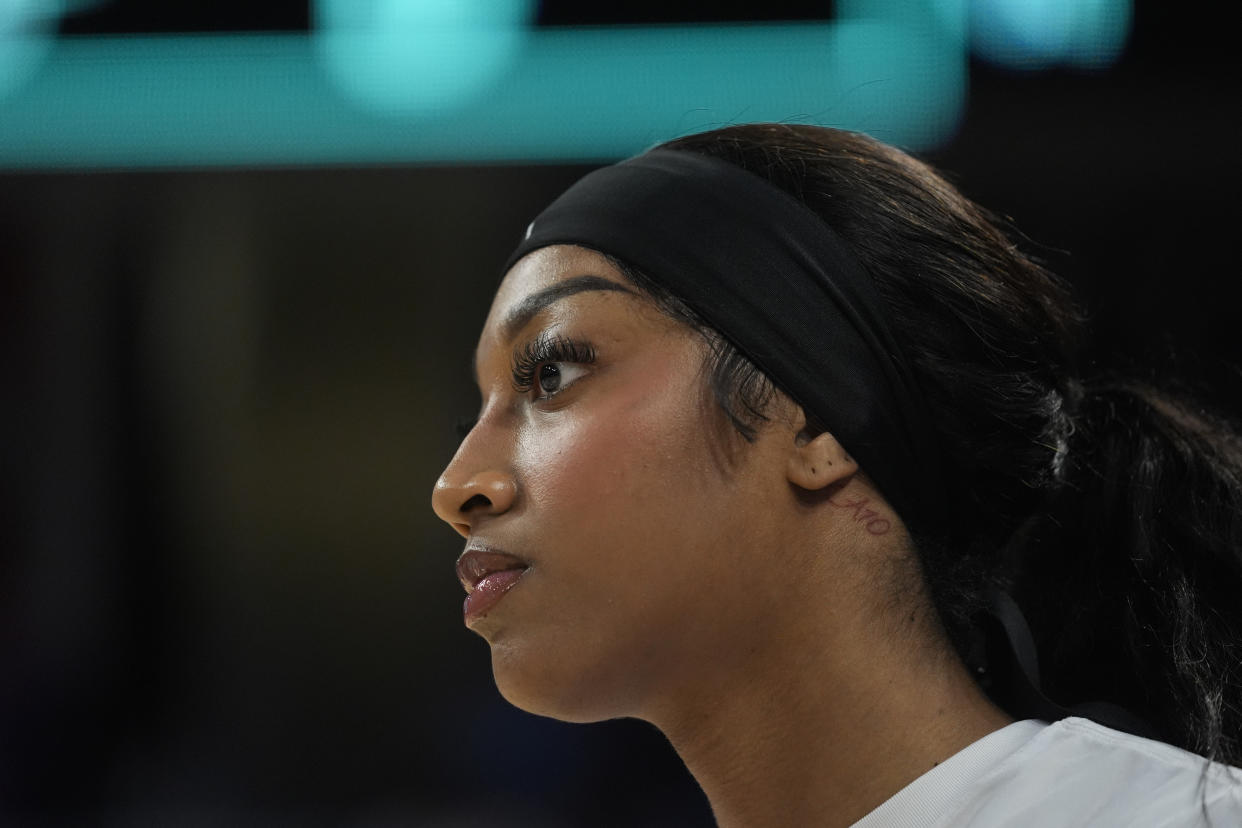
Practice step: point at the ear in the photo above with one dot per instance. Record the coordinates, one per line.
(818, 462)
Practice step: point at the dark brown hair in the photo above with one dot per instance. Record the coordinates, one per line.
(1108, 508)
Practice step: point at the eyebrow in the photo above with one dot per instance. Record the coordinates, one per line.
(517, 318)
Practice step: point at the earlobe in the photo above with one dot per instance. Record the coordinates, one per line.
(819, 462)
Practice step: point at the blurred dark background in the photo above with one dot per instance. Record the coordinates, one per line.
(223, 597)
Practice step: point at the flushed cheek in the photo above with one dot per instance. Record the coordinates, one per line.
(618, 510)
(614, 564)
(627, 515)
(609, 460)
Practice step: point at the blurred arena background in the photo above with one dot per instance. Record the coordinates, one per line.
(245, 249)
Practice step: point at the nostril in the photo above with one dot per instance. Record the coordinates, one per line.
(477, 501)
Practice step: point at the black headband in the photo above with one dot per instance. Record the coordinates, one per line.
(779, 284)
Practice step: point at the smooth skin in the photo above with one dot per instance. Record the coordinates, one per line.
(759, 603)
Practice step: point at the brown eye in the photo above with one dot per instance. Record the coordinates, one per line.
(550, 364)
(549, 378)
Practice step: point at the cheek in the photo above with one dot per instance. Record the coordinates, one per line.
(640, 537)
(614, 461)
(633, 516)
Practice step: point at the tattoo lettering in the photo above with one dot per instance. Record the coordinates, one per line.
(870, 519)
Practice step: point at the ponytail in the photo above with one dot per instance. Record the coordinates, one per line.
(1133, 582)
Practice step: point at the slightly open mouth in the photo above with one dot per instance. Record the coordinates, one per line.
(488, 590)
(479, 564)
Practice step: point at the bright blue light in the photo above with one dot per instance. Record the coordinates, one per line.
(894, 68)
(26, 29)
(1039, 34)
(411, 56)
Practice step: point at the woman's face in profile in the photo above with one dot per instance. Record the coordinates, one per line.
(650, 536)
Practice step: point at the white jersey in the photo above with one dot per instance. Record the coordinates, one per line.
(1067, 774)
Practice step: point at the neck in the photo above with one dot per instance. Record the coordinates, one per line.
(822, 737)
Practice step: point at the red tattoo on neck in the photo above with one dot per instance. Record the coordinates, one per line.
(870, 519)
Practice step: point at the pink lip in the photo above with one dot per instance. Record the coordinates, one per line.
(487, 575)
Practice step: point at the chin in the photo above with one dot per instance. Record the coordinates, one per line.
(549, 684)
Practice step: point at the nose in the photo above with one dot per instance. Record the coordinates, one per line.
(463, 497)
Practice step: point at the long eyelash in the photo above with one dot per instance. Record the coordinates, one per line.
(546, 348)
